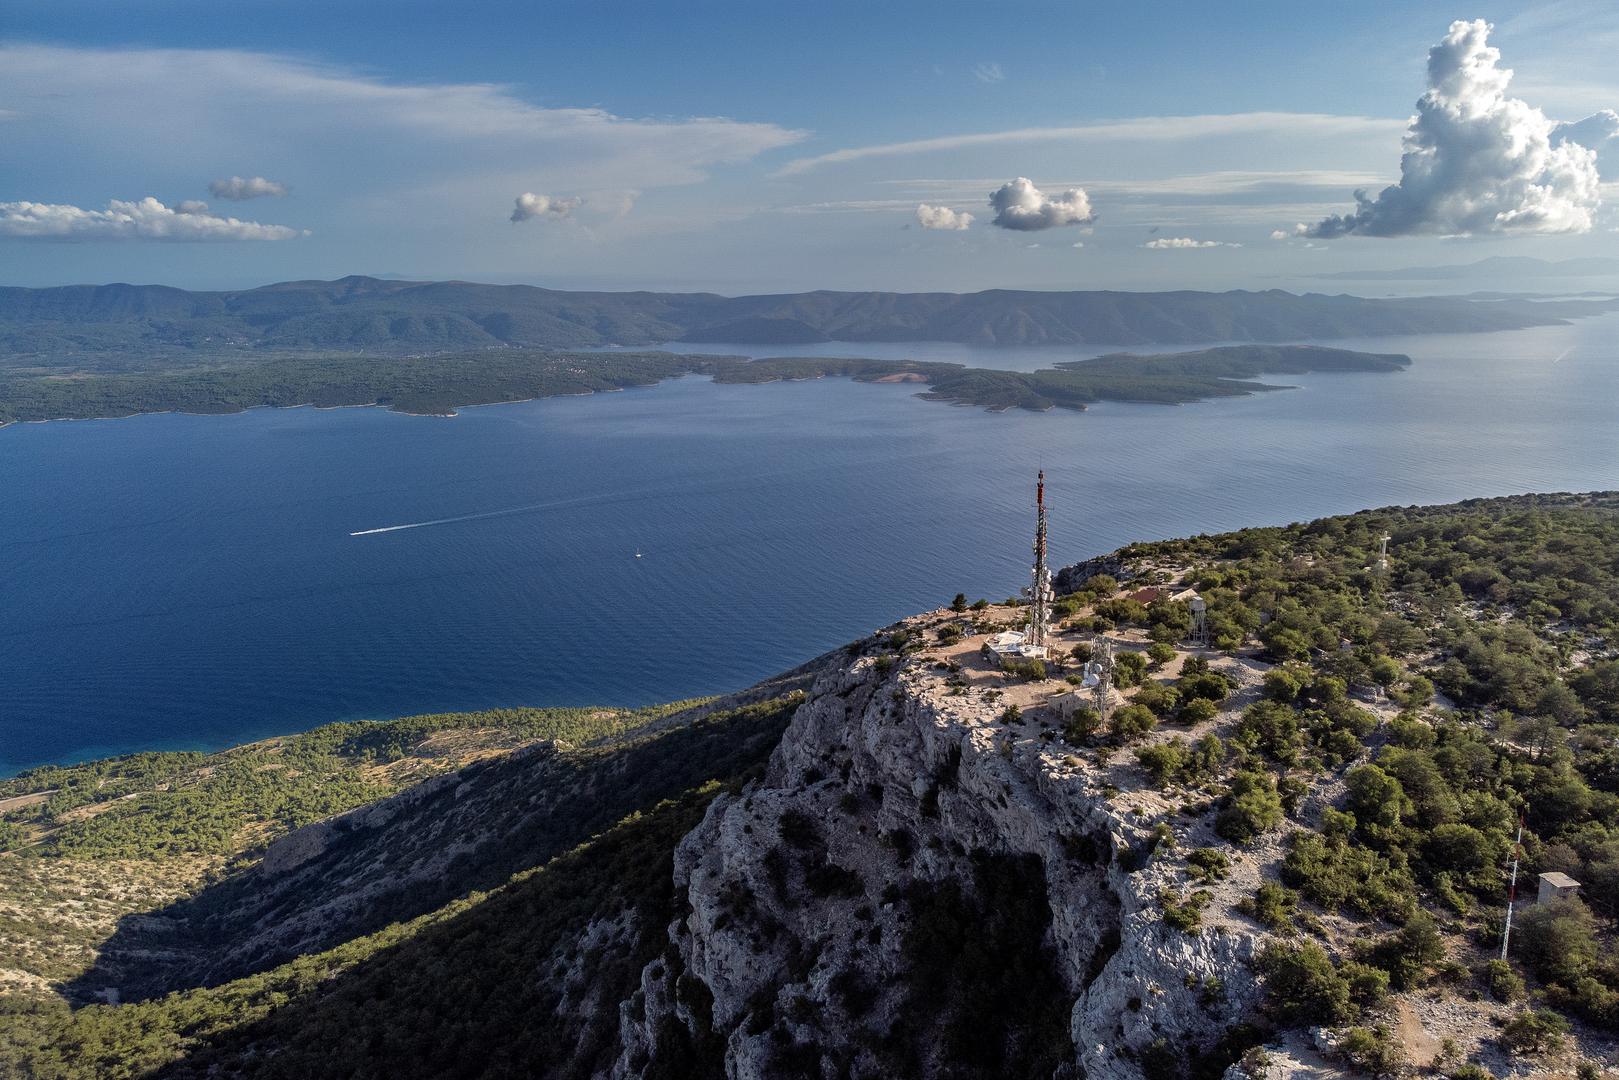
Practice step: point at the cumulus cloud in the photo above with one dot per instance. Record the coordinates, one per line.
(1478, 161)
(1019, 205)
(238, 189)
(1592, 133)
(147, 219)
(1179, 243)
(942, 217)
(547, 207)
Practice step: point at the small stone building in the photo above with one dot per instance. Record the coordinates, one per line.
(1065, 703)
(1556, 886)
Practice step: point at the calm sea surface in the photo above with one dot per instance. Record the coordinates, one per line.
(187, 581)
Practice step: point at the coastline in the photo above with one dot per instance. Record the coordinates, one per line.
(1160, 379)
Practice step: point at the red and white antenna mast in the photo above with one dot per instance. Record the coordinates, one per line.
(1512, 889)
(1040, 590)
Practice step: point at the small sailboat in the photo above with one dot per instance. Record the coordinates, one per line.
(637, 553)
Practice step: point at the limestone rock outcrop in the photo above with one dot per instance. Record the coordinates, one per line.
(915, 879)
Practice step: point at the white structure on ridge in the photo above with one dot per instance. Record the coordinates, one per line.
(1200, 614)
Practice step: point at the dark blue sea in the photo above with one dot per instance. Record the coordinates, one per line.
(193, 581)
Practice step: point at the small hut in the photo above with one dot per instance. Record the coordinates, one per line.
(1557, 886)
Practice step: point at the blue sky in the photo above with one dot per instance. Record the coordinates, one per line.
(771, 146)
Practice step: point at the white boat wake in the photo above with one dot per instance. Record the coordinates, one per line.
(478, 517)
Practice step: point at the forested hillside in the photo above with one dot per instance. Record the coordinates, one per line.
(115, 327)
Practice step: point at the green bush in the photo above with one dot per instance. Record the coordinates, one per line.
(1083, 724)
(1131, 723)
(1162, 700)
(1252, 807)
(1273, 905)
(1208, 864)
(1337, 874)
(1534, 1032)
(1185, 915)
(1303, 986)
(1557, 940)
(1504, 983)
(1373, 1050)
(1271, 729)
(1197, 711)
(1128, 669)
(1164, 761)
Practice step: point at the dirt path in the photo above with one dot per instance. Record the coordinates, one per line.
(1419, 1045)
(23, 802)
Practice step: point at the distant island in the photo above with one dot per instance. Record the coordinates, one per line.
(438, 385)
(119, 327)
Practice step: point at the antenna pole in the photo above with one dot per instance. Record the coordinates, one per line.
(1512, 889)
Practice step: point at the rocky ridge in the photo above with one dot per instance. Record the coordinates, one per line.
(894, 780)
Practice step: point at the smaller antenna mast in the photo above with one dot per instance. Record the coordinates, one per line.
(1102, 665)
(1512, 889)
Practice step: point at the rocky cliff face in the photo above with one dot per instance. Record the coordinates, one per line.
(919, 887)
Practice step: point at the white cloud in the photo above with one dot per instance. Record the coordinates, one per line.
(1592, 132)
(530, 205)
(373, 151)
(1019, 205)
(942, 217)
(988, 73)
(1145, 129)
(1180, 243)
(1478, 161)
(238, 189)
(147, 219)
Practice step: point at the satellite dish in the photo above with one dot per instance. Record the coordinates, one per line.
(1092, 677)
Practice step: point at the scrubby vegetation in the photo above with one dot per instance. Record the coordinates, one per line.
(1510, 609)
(483, 966)
(157, 805)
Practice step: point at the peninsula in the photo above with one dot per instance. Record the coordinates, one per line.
(438, 385)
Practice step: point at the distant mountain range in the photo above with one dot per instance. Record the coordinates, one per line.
(1496, 268)
(128, 325)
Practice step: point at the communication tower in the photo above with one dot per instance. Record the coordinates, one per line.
(1099, 674)
(1039, 592)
